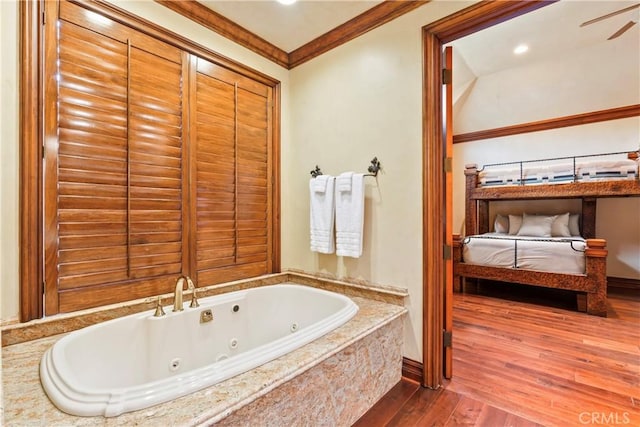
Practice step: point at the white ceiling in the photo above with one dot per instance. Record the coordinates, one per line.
(548, 31)
(292, 26)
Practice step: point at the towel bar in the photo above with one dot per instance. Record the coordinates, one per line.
(373, 169)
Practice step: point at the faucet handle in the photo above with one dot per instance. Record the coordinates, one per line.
(194, 299)
(159, 311)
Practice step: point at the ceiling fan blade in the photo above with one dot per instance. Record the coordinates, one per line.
(621, 31)
(609, 15)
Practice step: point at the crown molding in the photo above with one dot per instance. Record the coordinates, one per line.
(355, 27)
(554, 123)
(201, 14)
(366, 21)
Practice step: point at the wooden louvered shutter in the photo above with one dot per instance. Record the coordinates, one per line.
(231, 162)
(113, 182)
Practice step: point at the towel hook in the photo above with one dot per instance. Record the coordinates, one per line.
(316, 172)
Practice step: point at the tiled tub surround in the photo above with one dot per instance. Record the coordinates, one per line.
(333, 380)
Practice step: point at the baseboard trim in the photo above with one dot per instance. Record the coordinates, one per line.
(412, 370)
(622, 282)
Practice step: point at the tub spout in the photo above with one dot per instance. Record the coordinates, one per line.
(177, 294)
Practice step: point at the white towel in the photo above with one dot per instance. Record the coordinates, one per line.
(350, 218)
(343, 181)
(322, 213)
(319, 184)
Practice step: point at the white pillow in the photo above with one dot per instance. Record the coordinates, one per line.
(536, 225)
(515, 221)
(501, 224)
(560, 226)
(574, 224)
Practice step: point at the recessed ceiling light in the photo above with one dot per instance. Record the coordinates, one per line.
(287, 2)
(519, 50)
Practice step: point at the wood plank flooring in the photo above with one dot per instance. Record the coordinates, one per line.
(523, 364)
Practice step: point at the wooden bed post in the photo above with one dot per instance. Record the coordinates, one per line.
(596, 268)
(471, 208)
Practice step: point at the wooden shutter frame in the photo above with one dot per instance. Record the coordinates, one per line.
(31, 230)
(32, 51)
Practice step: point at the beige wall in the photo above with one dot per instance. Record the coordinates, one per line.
(9, 160)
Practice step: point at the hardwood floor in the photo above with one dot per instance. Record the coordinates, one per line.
(524, 364)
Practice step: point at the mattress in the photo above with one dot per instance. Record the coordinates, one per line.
(559, 172)
(551, 254)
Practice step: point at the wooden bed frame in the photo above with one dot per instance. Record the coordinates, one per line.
(591, 287)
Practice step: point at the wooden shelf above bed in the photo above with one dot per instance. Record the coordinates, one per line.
(582, 189)
(578, 190)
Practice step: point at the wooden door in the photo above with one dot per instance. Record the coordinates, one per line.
(448, 237)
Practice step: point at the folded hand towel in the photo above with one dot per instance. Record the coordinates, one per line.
(322, 208)
(343, 181)
(319, 183)
(350, 218)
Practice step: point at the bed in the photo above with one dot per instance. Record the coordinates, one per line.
(572, 258)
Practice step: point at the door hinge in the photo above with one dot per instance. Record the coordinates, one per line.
(44, 18)
(446, 76)
(447, 252)
(448, 164)
(447, 338)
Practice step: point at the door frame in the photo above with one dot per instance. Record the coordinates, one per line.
(467, 21)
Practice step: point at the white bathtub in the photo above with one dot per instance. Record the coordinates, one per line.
(137, 361)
